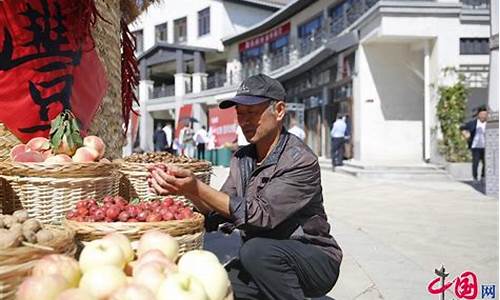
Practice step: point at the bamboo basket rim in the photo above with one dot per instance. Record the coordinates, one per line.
(174, 227)
(29, 252)
(65, 170)
(199, 166)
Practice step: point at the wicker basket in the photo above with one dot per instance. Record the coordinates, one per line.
(16, 263)
(189, 232)
(49, 192)
(7, 141)
(134, 184)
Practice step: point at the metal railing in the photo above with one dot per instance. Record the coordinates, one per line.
(216, 80)
(250, 68)
(279, 58)
(162, 91)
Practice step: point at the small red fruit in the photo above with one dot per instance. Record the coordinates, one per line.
(132, 210)
(82, 211)
(167, 202)
(167, 215)
(113, 212)
(142, 216)
(153, 218)
(124, 216)
(109, 199)
(99, 214)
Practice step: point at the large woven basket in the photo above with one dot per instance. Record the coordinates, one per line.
(134, 184)
(189, 232)
(16, 263)
(48, 192)
(7, 141)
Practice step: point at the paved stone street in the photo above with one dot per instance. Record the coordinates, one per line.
(395, 233)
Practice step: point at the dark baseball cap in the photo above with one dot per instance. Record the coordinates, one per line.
(255, 90)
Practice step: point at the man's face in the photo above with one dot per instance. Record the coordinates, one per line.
(483, 116)
(259, 121)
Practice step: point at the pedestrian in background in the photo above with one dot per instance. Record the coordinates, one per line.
(338, 139)
(347, 138)
(474, 131)
(296, 130)
(186, 137)
(159, 139)
(168, 133)
(201, 139)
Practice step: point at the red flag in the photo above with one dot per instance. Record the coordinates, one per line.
(45, 67)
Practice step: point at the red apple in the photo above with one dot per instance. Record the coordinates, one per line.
(101, 252)
(133, 292)
(75, 294)
(59, 264)
(102, 281)
(180, 286)
(46, 287)
(155, 239)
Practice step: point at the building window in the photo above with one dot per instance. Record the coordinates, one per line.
(139, 41)
(180, 30)
(311, 27)
(474, 46)
(204, 21)
(161, 32)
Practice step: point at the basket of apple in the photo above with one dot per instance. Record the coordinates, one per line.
(91, 220)
(110, 269)
(46, 177)
(23, 241)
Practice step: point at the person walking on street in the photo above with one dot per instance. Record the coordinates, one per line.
(273, 195)
(159, 139)
(201, 139)
(168, 132)
(475, 132)
(186, 137)
(338, 139)
(296, 130)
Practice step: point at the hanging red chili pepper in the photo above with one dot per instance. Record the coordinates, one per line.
(130, 73)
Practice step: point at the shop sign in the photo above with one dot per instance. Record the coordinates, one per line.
(269, 36)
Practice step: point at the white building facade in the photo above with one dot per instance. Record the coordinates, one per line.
(380, 62)
(180, 52)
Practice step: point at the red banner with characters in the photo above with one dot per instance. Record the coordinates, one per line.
(223, 125)
(46, 67)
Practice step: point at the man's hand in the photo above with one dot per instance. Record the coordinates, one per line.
(166, 180)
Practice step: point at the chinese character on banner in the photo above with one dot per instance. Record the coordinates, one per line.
(45, 67)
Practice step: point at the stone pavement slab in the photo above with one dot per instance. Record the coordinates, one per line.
(395, 233)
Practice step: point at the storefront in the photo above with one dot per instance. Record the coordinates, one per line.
(325, 91)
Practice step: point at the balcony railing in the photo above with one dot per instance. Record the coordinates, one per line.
(216, 80)
(162, 91)
(279, 58)
(476, 4)
(250, 68)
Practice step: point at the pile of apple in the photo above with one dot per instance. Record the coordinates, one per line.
(107, 269)
(117, 209)
(39, 150)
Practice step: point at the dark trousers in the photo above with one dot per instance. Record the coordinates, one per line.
(281, 269)
(200, 153)
(337, 151)
(477, 155)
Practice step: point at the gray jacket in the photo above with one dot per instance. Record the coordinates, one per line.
(282, 197)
